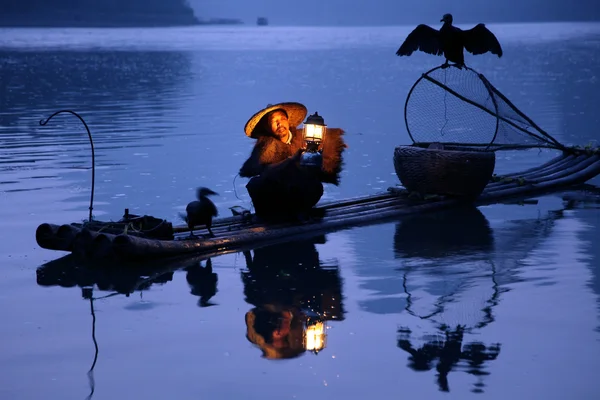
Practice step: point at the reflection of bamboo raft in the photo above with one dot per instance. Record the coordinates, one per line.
(69, 271)
(235, 233)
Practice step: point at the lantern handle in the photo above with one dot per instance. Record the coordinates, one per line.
(315, 119)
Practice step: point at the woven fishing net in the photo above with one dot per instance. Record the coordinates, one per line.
(461, 107)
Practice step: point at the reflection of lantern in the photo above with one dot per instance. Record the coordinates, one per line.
(315, 337)
(313, 131)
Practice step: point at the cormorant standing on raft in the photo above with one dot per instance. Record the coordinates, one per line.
(201, 211)
(450, 41)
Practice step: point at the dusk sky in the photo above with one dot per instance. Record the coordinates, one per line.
(396, 12)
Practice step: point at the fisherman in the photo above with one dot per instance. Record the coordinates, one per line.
(281, 188)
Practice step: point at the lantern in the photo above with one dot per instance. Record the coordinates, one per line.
(315, 336)
(314, 131)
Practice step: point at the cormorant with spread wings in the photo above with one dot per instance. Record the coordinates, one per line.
(450, 41)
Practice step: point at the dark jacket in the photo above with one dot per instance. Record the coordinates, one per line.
(269, 150)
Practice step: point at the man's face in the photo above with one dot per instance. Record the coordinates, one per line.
(279, 124)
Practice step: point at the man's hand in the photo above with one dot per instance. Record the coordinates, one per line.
(297, 155)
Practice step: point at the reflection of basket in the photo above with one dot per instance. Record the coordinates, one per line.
(450, 171)
(433, 235)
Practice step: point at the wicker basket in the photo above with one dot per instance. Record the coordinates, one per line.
(448, 171)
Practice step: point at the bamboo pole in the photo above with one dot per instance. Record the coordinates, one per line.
(552, 175)
(565, 163)
(333, 204)
(55, 237)
(355, 200)
(560, 163)
(89, 241)
(82, 244)
(552, 161)
(392, 201)
(566, 170)
(368, 206)
(152, 247)
(45, 236)
(101, 246)
(575, 178)
(332, 209)
(128, 247)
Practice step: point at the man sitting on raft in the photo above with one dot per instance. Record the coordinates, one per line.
(281, 188)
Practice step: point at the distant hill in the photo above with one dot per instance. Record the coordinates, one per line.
(99, 13)
(400, 12)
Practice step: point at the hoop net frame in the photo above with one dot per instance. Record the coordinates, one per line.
(461, 107)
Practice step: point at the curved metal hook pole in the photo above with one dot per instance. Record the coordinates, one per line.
(44, 122)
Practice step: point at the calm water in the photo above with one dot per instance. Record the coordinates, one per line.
(167, 110)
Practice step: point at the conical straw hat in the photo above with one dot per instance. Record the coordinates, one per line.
(296, 113)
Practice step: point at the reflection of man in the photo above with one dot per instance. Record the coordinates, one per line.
(278, 331)
(286, 283)
(280, 187)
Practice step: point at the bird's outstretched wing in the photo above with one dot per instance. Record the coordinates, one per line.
(424, 38)
(480, 40)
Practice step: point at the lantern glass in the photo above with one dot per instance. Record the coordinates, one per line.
(314, 128)
(313, 133)
(315, 336)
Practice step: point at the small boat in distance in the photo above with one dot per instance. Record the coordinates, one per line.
(262, 21)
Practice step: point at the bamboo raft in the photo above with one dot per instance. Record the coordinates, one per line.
(237, 232)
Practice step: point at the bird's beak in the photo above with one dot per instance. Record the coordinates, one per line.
(442, 20)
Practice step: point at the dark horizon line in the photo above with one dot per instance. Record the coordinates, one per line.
(244, 24)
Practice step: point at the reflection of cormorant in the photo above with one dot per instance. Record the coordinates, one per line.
(467, 269)
(293, 293)
(460, 239)
(203, 282)
(450, 352)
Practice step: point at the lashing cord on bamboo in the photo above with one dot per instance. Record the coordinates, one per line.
(129, 226)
